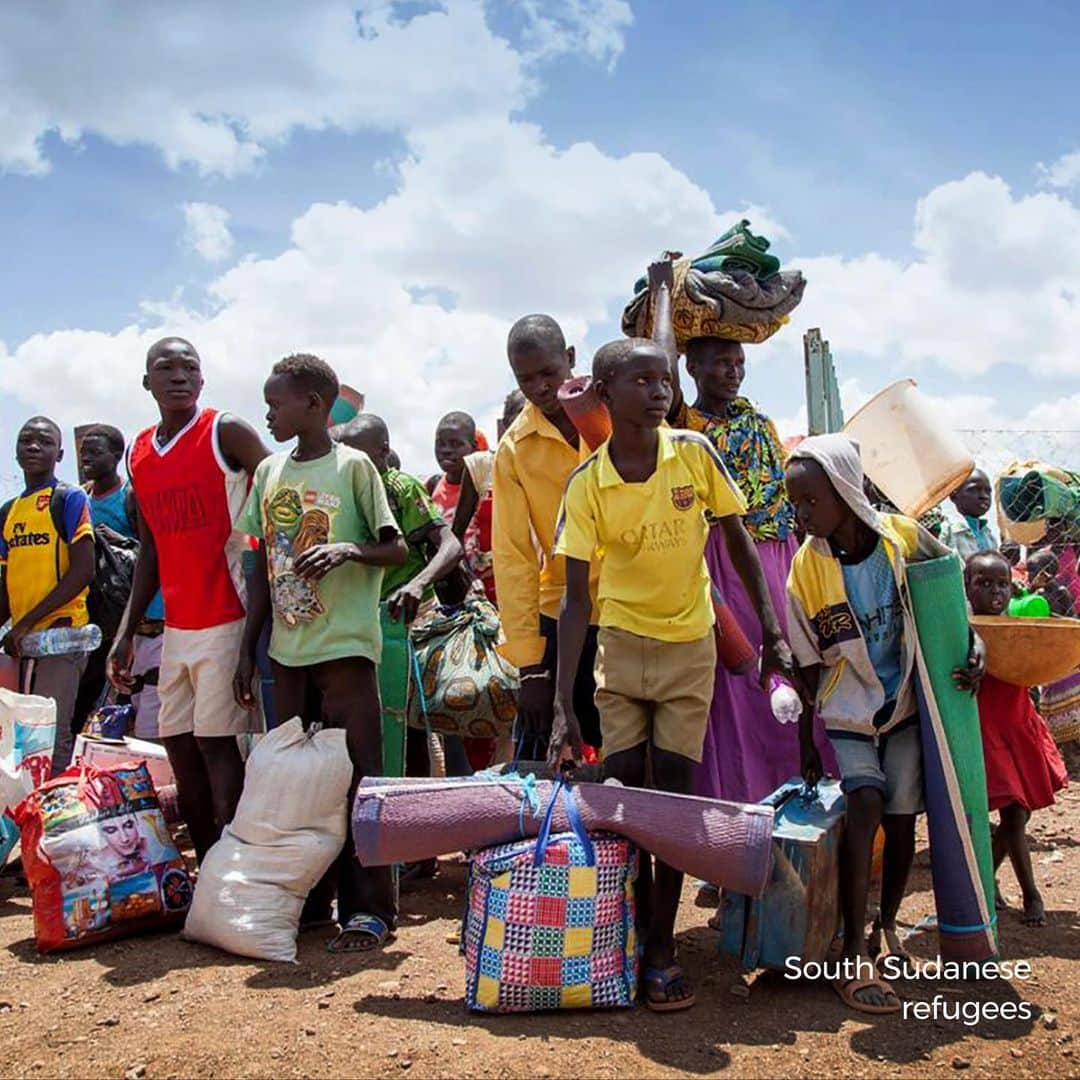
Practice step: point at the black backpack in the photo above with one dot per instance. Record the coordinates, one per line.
(114, 565)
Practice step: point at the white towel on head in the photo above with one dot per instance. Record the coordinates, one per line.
(839, 457)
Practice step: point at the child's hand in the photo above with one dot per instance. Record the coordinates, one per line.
(12, 643)
(812, 769)
(316, 562)
(777, 659)
(242, 682)
(405, 602)
(661, 272)
(970, 678)
(566, 743)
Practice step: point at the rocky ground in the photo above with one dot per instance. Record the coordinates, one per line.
(159, 1007)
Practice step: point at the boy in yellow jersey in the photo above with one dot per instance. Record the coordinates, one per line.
(46, 566)
(637, 508)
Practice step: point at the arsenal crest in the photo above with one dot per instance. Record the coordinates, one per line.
(43, 500)
(683, 497)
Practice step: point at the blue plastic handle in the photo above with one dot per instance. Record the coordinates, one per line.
(574, 817)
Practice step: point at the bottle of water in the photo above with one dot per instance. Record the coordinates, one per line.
(784, 700)
(61, 639)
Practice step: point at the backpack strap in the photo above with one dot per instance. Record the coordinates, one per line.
(56, 507)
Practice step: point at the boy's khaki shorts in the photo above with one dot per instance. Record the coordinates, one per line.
(650, 690)
(195, 684)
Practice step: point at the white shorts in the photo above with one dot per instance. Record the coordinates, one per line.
(146, 701)
(196, 683)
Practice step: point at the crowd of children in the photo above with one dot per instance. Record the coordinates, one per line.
(603, 566)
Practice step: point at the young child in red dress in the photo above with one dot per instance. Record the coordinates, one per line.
(1023, 766)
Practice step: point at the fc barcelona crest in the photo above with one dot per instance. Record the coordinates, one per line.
(683, 497)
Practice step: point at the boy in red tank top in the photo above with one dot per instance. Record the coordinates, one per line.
(190, 474)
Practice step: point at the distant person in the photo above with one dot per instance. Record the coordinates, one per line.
(47, 564)
(326, 534)
(1023, 767)
(967, 529)
(190, 473)
(112, 504)
(456, 440)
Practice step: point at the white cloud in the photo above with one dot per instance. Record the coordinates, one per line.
(206, 230)
(537, 228)
(995, 279)
(1063, 173)
(215, 85)
(596, 28)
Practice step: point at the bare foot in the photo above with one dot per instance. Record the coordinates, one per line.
(1034, 912)
(999, 900)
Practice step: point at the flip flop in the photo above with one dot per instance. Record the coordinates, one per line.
(661, 981)
(361, 933)
(847, 989)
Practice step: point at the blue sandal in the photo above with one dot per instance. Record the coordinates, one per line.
(658, 984)
(361, 933)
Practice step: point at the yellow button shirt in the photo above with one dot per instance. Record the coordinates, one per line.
(649, 538)
(532, 464)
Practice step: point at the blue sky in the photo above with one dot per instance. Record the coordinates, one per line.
(834, 123)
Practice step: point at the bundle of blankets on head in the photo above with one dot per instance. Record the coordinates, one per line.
(734, 290)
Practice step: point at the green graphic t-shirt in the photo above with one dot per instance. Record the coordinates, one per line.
(295, 505)
(417, 517)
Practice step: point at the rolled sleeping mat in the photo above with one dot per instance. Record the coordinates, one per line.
(726, 843)
(588, 413)
(733, 648)
(394, 672)
(954, 774)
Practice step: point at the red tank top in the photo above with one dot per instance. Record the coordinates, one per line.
(189, 498)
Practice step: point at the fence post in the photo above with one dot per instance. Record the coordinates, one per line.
(824, 412)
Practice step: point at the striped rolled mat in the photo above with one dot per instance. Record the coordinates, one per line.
(958, 818)
(722, 842)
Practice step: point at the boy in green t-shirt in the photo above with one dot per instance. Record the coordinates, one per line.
(434, 554)
(433, 550)
(326, 533)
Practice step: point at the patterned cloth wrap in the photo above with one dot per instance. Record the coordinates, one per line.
(754, 453)
(549, 924)
(461, 685)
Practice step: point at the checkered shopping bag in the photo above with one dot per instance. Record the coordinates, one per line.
(550, 922)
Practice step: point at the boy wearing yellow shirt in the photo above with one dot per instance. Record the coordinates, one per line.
(637, 509)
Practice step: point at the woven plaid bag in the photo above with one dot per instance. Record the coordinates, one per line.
(549, 923)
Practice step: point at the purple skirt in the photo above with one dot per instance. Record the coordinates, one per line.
(748, 753)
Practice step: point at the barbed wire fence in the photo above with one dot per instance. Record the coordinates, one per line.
(994, 448)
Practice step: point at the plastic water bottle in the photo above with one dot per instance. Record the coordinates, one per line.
(62, 639)
(784, 700)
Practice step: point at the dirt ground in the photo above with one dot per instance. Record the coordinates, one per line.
(159, 1007)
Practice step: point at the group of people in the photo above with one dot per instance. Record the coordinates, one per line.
(603, 566)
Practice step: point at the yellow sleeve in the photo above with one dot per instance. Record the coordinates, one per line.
(716, 488)
(517, 565)
(575, 533)
(802, 637)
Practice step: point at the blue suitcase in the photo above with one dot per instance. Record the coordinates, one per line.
(798, 914)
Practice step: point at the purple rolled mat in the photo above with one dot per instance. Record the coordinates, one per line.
(726, 843)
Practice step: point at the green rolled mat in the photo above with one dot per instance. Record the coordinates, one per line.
(954, 774)
(394, 691)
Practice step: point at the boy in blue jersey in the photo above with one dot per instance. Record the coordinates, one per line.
(46, 566)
